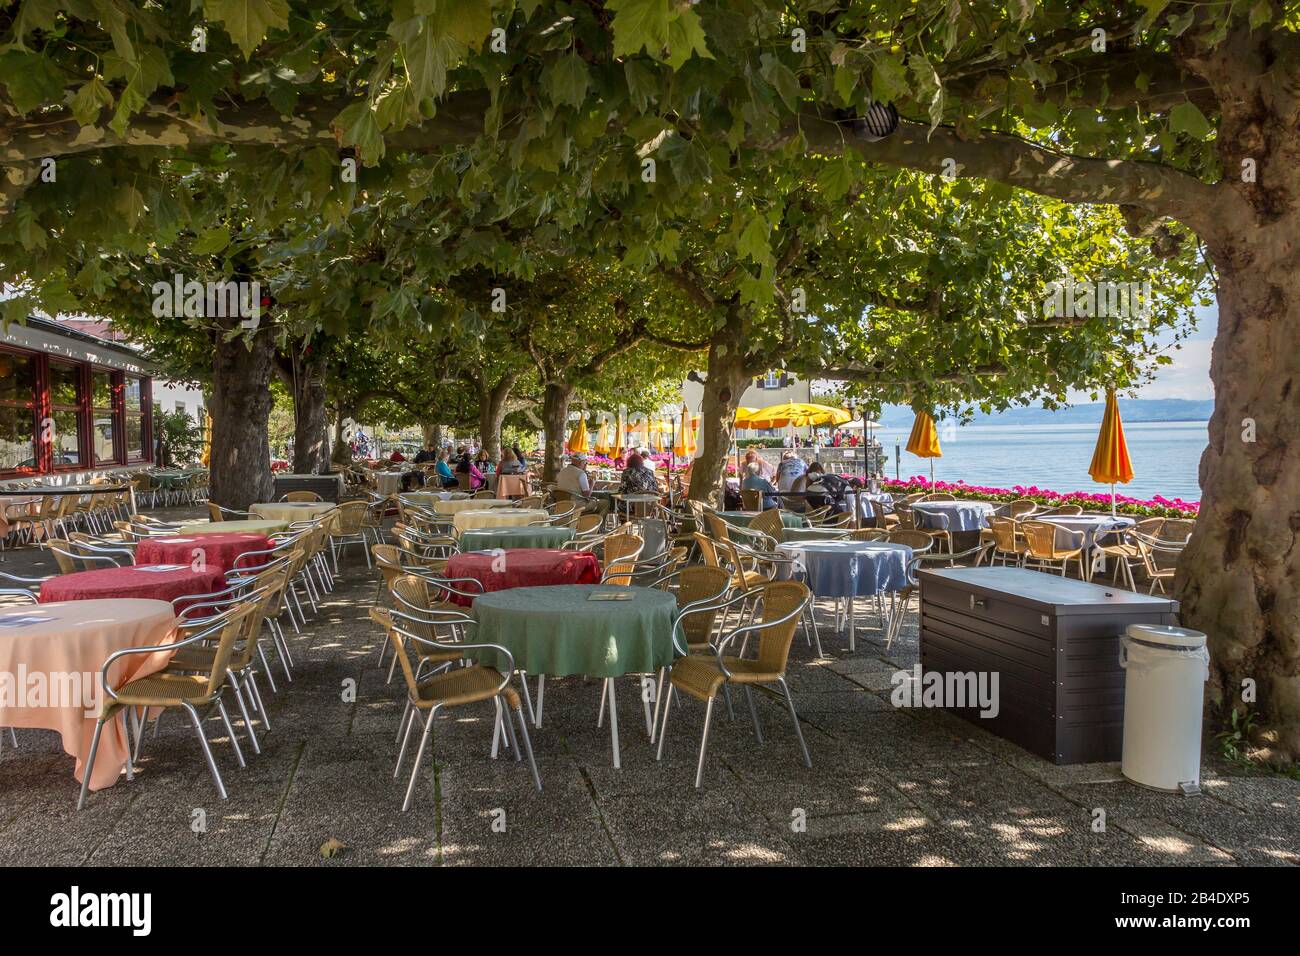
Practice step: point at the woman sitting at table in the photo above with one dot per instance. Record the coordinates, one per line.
(637, 478)
(754, 481)
(510, 465)
(483, 463)
(443, 470)
(465, 466)
(792, 467)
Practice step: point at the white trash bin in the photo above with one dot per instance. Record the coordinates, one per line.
(1164, 685)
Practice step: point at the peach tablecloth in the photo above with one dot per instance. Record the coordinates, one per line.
(77, 641)
(496, 517)
(292, 510)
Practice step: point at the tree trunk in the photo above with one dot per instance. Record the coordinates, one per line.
(492, 412)
(241, 402)
(727, 377)
(432, 435)
(311, 421)
(341, 456)
(555, 419)
(1239, 578)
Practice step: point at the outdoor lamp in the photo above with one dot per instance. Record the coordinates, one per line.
(880, 120)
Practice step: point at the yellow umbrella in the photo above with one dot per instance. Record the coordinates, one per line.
(602, 439)
(207, 440)
(743, 415)
(797, 414)
(684, 446)
(924, 441)
(1110, 461)
(578, 440)
(620, 436)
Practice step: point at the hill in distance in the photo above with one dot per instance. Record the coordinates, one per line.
(1131, 410)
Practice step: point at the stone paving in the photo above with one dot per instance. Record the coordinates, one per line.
(887, 787)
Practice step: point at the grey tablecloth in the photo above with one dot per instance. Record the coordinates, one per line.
(961, 515)
(850, 568)
(1090, 525)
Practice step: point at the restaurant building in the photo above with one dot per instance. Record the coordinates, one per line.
(72, 404)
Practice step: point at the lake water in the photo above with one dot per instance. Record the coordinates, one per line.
(1165, 457)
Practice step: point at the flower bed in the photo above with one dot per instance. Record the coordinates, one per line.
(1158, 507)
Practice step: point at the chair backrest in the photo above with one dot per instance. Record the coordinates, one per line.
(532, 501)
(1021, 507)
(588, 523)
(916, 540)
(751, 499)
(302, 496)
(770, 524)
(780, 598)
(718, 526)
(388, 559)
(700, 582)
(1004, 534)
(235, 628)
(938, 496)
(464, 481)
(620, 553)
(63, 552)
(348, 518)
(1177, 529)
(869, 534)
(1040, 540)
(708, 550)
(214, 512)
(483, 494)
(1068, 510)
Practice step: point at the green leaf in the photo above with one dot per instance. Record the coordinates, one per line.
(211, 241)
(566, 81)
(359, 127)
(428, 53)
(835, 178)
(1187, 118)
(685, 37)
(782, 79)
(466, 21)
(31, 80)
(90, 100)
(752, 243)
(642, 84)
(247, 21)
(640, 24)
(1261, 13)
(129, 204)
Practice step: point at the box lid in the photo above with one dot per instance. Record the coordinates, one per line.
(1048, 592)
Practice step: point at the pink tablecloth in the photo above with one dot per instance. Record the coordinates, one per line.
(512, 486)
(218, 550)
(523, 568)
(63, 654)
(132, 582)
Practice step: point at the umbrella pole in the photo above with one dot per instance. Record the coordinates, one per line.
(1112, 499)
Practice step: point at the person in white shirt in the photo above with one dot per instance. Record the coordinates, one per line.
(646, 460)
(572, 479)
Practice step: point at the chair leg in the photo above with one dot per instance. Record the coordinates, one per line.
(704, 742)
(207, 749)
(404, 735)
(243, 709)
(613, 722)
(541, 699)
(663, 726)
(753, 713)
(90, 764)
(528, 699)
(798, 731)
(419, 758)
(528, 748)
(230, 729)
(659, 696)
(257, 700)
(266, 667)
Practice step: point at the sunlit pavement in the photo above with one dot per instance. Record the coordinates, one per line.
(888, 786)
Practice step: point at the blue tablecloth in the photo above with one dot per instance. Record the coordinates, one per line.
(1090, 525)
(850, 568)
(961, 515)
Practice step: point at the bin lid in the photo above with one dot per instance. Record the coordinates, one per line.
(1166, 635)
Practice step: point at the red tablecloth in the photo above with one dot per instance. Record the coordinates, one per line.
(131, 582)
(523, 568)
(219, 550)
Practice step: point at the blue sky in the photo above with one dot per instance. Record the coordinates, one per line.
(1189, 376)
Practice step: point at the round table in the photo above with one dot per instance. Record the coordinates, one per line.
(468, 504)
(512, 486)
(961, 515)
(522, 568)
(388, 482)
(149, 582)
(1089, 525)
(470, 518)
(743, 518)
(815, 534)
(291, 511)
(249, 526)
(559, 631)
(72, 640)
(530, 536)
(849, 570)
(218, 551)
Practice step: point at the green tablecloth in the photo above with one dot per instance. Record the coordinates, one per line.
(524, 536)
(557, 631)
(814, 534)
(742, 518)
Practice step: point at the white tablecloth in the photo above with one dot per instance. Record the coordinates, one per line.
(468, 504)
(497, 517)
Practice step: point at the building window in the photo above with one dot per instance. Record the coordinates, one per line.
(66, 403)
(104, 416)
(133, 406)
(17, 412)
(774, 380)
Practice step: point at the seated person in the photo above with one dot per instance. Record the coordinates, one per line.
(573, 480)
(834, 488)
(754, 481)
(791, 468)
(426, 454)
(482, 462)
(637, 478)
(510, 464)
(466, 467)
(443, 470)
(765, 467)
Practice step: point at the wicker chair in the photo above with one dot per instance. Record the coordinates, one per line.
(454, 688)
(1008, 543)
(1041, 547)
(347, 527)
(301, 496)
(701, 676)
(869, 534)
(1123, 548)
(916, 540)
(1151, 550)
(769, 523)
(751, 499)
(187, 691)
(620, 553)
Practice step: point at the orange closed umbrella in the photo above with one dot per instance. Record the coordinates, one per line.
(924, 440)
(1110, 461)
(578, 440)
(684, 446)
(602, 439)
